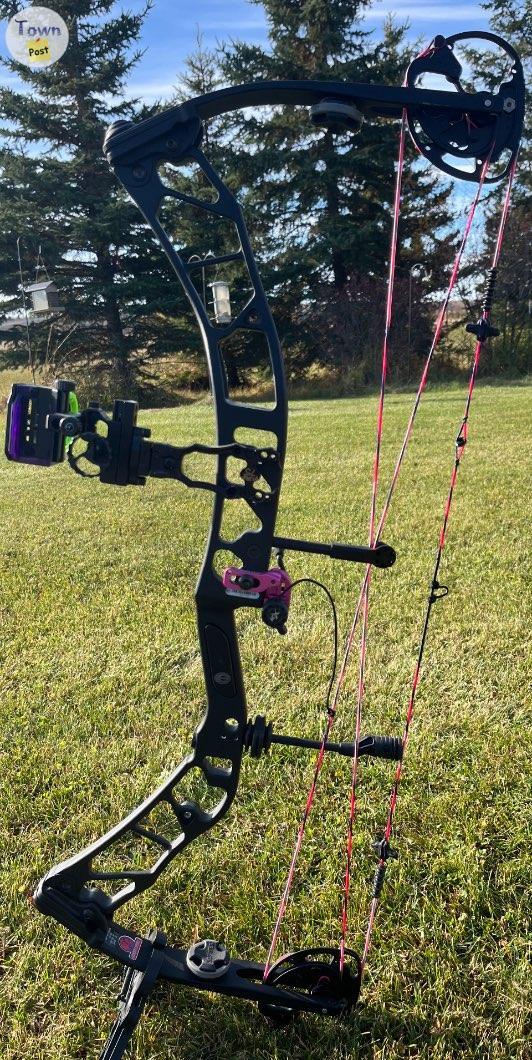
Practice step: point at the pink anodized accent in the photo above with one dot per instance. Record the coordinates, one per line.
(257, 585)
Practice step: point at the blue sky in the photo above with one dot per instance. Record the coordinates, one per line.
(171, 27)
(170, 31)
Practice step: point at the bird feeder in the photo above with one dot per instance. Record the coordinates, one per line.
(222, 301)
(44, 298)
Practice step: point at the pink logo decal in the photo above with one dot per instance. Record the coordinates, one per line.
(130, 945)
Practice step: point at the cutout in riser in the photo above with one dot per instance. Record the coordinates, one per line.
(188, 179)
(248, 367)
(195, 788)
(238, 518)
(130, 853)
(253, 436)
(197, 235)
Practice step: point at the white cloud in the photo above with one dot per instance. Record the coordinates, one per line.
(444, 14)
(151, 91)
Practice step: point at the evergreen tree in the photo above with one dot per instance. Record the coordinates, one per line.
(59, 192)
(320, 203)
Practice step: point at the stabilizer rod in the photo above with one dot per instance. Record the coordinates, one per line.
(380, 556)
(259, 737)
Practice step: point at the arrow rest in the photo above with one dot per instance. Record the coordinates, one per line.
(270, 590)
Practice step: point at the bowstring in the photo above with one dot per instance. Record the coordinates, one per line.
(371, 536)
(460, 445)
(438, 329)
(332, 705)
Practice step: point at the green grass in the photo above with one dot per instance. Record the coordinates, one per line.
(101, 687)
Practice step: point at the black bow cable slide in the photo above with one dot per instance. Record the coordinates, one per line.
(472, 136)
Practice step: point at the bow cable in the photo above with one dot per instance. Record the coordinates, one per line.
(332, 706)
(408, 432)
(363, 602)
(483, 329)
(371, 533)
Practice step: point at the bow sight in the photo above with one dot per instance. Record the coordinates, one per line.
(40, 430)
(454, 130)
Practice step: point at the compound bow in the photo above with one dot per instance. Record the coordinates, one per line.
(450, 128)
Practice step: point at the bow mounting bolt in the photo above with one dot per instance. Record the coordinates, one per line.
(208, 959)
(250, 474)
(275, 614)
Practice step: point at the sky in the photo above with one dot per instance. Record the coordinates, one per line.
(171, 27)
(170, 31)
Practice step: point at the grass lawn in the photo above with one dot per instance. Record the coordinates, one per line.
(101, 688)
